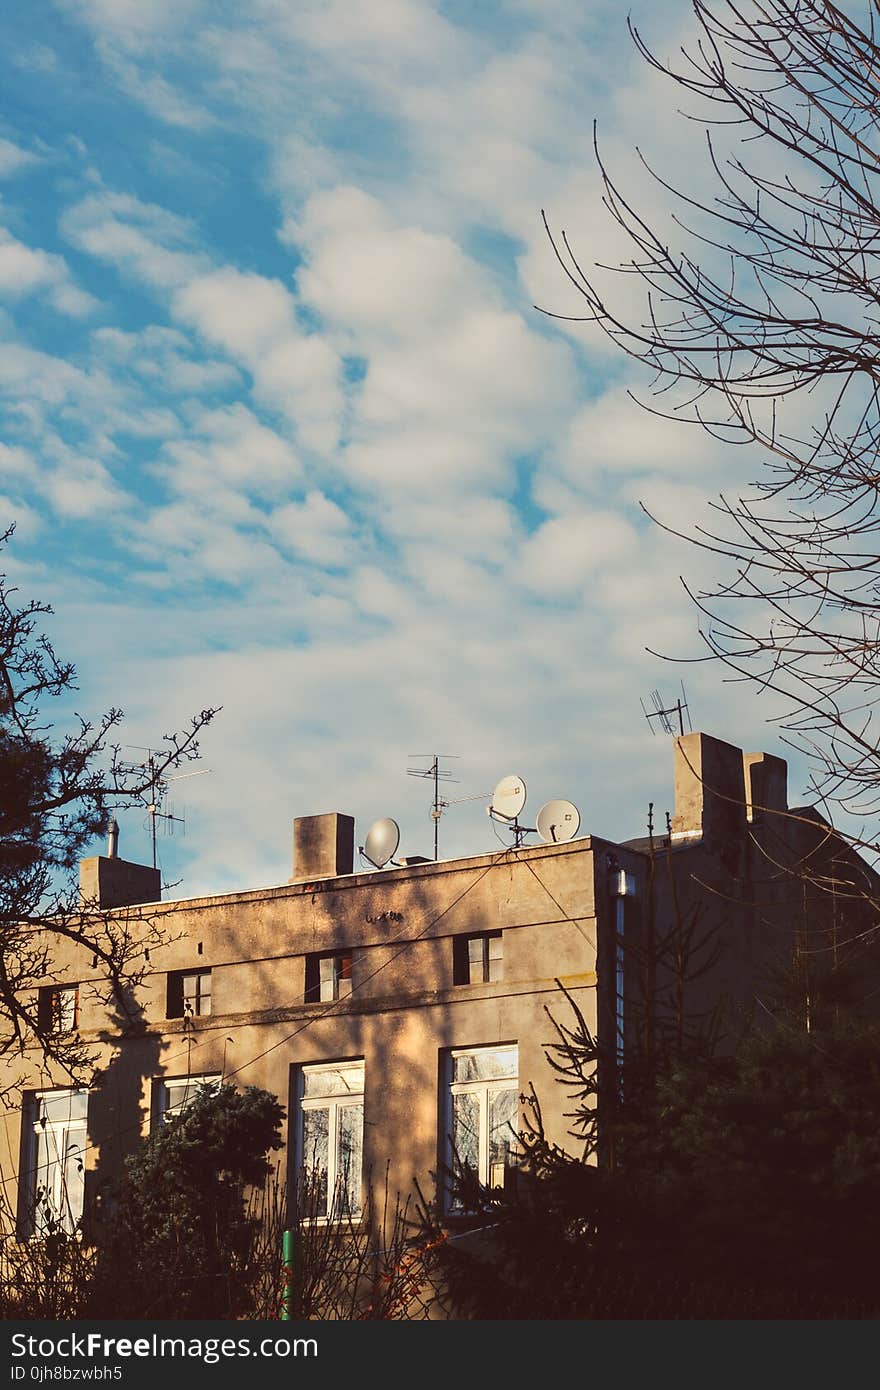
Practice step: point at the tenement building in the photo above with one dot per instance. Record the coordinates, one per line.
(401, 1015)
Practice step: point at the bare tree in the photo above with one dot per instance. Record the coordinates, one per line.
(763, 327)
(56, 792)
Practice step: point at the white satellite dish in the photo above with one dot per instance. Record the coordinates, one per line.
(381, 843)
(508, 798)
(558, 821)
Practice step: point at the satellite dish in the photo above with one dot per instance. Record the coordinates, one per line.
(508, 798)
(558, 821)
(381, 843)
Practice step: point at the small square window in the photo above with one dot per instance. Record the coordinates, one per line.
(58, 1008)
(477, 960)
(328, 976)
(189, 993)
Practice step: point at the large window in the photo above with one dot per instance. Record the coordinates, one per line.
(330, 1141)
(189, 993)
(172, 1096)
(55, 1149)
(483, 1114)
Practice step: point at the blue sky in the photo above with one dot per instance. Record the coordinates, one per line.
(284, 432)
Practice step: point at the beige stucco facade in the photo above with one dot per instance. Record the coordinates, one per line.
(576, 914)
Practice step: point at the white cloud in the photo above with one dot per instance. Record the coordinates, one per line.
(230, 448)
(24, 271)
(567, 552)
(244, 313)
(317, 529)
(453, 379)
(134, 21)
(165, 358)
(82, 489)
(193, 543)
(28, 375)
(13, 158)
(141, 238)
(615, 434)
(28, 522)
(159, 96)
(370, 274)
(253, 319)
(16, 462)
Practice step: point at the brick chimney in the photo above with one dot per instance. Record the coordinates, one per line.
(323, 846)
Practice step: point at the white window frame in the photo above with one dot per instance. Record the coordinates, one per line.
(311, 1097)
(64, 1140)
(485, 1089)
(201, 995)
(163, 1112)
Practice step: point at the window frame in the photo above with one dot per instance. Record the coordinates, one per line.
(177, 999)
(69, 1136)
(334, 1102)
(51, 1000)
(482, 967)
(161, 1112)
(336, 982)
(487, 1089)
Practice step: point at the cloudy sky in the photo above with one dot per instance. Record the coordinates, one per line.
(284, 432)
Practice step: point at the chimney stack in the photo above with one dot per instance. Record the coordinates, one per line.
(108, 881)
(766, 784)
(710, 788)
(323, 846)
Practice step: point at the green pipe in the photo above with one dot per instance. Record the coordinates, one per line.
(287, 1259)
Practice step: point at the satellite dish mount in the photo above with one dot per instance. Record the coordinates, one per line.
(557, 821)
(380, 846)
(508, 799)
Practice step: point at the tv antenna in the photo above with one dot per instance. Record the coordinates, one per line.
(157, 790)
(437, 774)
(664, 714)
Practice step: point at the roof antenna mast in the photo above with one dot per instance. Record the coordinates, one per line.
(437, 774)
(663, 714)
(157, 790)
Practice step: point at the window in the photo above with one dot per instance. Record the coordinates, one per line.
(483, 1112)
(189, 993)
(477, 960)
(55, 1140)
(328, 976)
(171, 1097)
(331, 1139)
(58, 1008)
